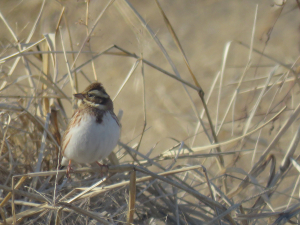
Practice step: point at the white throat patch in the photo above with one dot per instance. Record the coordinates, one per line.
(98, 106)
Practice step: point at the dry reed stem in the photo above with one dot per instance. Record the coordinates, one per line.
(91, 31)
(132, 196)
(162, 181)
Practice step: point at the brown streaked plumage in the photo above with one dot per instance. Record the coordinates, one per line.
(94, 129)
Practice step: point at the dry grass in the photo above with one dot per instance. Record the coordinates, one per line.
(228, 156)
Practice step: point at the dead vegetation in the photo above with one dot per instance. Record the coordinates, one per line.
(223, 153)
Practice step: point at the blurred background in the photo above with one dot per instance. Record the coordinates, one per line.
(244, 55)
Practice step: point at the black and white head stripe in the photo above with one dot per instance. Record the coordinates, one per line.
(98, 93)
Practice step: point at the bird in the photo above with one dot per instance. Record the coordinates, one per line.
(93, 131)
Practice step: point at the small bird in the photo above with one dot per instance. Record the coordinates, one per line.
(94, 129)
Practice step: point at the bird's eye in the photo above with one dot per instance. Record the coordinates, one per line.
(90, 95)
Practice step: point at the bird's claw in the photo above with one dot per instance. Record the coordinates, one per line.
(69, 170)
(101, 166)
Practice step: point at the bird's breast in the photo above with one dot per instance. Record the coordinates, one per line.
(91, 141)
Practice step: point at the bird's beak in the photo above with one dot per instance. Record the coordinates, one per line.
(79, 96)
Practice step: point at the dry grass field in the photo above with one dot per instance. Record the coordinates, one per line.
(208, 97)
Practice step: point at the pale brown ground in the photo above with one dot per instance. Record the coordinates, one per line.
(203, 29)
